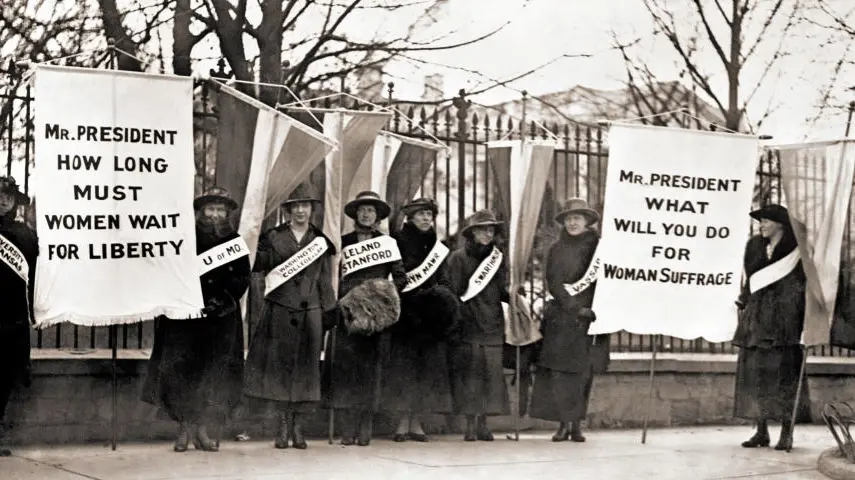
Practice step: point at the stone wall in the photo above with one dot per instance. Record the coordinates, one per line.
(70, 400)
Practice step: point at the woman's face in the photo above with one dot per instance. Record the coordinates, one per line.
(423, 220)
(7, 203)
(366, 215)
(770, 228)
(483, 235)
(575, 223)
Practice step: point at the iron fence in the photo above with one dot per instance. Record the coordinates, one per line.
(460, 182)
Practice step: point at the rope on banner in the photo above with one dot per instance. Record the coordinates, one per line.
(275, 85)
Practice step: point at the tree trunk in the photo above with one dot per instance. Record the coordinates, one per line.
(114, 29)
(182, 39)
(270, 51)
(734, 113)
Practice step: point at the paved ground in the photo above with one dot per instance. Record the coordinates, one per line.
(692, 453)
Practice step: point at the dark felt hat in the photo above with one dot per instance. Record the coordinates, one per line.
(774, 212)
(418, 205)
(368, 198)
(8, 185)
(579, 206)
(481, 218)
(214, 195)
(303, 193)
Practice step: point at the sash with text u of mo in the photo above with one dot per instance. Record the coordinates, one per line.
(369, 253)
(483, 274)
(586, 281)
(296, 264)
(774, 272)
(222, 254)
(419, 275)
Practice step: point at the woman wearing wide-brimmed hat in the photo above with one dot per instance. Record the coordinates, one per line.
(565, 369)
(283, 364)
(478, 274)
(369, 304)
(195, 374)
(416, 380)
(16, 289)
(769, 332)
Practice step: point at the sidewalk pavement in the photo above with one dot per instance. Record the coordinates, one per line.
(696, 453)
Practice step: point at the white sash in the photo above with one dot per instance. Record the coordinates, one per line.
(429, 266)
(222, 254)
(14, 259)
(483, 274)
(369, 253)
(296, 264)
(774, 272)
(586, 281)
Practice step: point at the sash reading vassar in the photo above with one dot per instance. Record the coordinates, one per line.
(483, 274)
(429, 266)
(369, 253)
(774, 272)
(296, 264)
(586, 281)
(222, 254)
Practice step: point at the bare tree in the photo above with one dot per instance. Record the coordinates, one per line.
(734, 30)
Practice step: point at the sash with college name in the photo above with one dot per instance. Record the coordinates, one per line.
(369, 253)
(419, 275)
(772, 273)
(12, 257)
(483, 274)
(222, 254)
(586, 281)
(296, 264)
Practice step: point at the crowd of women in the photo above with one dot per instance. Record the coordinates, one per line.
(415, 327)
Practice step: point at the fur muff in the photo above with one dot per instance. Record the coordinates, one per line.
(371, 307)
(431, 312)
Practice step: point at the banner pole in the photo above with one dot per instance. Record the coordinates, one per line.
(519, 398)
(798, 395)
(114, 339)
(331, 418)
(650, 390)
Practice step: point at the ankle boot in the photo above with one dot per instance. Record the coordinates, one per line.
(470, 435)
(297, 433)
(562, 434)
(281, 439)
(366, 429)
(785, 442)
(203, 441)
(483, 433)
(349, 425)
(760, 437)
(183, 439)
(576, 433)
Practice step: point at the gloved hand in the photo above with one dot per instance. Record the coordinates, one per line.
(330, 318)
(739, 305)
(217, 305)
(586, 314)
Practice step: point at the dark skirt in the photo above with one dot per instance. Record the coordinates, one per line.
(15, 361)
(478, 380)
(766, 384)
(196, 368)
(416, 379)
(561, 396)
(353, 370)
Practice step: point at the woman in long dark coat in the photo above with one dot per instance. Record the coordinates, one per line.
(770, 328)
(477, 374)
(283, 364)
(564, 375)
(16, 285)
(416, 380)
(369, 305)
(195, 374)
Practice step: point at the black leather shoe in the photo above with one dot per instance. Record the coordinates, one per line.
(562, 434)
(417, 437)
(400, 437)
(577, 437)
(363, 442)
(785, 442)
(297, 438)
(203, 441)
(347, 441)
(5, 452)
(484, 434)
(183, 439)
(758, 440)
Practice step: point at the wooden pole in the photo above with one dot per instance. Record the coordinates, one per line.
(114, 339)
(798, 395)
(650, 390)
(331, 419)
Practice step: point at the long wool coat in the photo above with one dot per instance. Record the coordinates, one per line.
(769, 333)
(352, 377)
(283, 363)
(15, 317)
(416, 379)
(475, 361)
(196, 367)
(565, 369)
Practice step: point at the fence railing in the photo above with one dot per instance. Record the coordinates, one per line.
(460, 182)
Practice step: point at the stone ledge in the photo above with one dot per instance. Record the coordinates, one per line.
(133, 362)
(834, 465)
